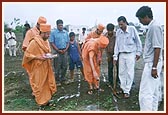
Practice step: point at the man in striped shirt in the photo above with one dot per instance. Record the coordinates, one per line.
(128, 48)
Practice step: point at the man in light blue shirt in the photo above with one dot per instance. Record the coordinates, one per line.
(128, 48)
(59, 40)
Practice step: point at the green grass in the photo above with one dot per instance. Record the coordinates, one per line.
(142, 38)
(20, 104)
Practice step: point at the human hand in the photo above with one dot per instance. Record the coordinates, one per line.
(40, 58)
(137, 57)
(60, 51)
(154, 73)
(95, 75)
(114, 62)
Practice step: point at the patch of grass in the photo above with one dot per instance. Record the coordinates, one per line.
(142, 38)
(20, 104)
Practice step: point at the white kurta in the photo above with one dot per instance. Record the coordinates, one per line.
(11, 38)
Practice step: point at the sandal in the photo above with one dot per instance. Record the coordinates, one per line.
(119, 92)
(126, 95)
(99, 89)
(41, 108)
(50, 103)
(90, 91)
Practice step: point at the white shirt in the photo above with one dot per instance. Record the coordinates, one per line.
(9, 38)
(154, 39)
(82, 37)
(127, 41)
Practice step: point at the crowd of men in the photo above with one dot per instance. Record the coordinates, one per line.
(123, 48)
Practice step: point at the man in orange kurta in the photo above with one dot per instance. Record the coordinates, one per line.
(91, 64)
(96, 33)
(39, 68)
(33, 32)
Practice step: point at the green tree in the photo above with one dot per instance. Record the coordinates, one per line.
(18, 27)
(5, 27)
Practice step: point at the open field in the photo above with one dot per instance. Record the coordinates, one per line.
(69, 97)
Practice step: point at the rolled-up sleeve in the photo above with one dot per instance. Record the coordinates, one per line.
(68, 39)
(138, 43)
(156, 37)
(51, 39)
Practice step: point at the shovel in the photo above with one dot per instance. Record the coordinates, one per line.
(114, 90)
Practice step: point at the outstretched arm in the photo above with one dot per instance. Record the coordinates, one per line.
(95, 74)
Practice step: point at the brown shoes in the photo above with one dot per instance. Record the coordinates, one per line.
(126, 95)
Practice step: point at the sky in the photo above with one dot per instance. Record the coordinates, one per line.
(79, 13)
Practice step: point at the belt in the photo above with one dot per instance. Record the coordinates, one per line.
(62, 48)
(126, 52)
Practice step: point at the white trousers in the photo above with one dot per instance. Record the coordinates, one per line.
(149, 88)
(161, 86)
(12, 50)
(126, 70)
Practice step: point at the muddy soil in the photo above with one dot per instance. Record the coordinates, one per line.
(69, 97)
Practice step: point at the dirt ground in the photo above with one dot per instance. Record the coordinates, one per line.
(69, 97)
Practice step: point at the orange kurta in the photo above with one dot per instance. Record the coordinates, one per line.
(90, 46)
(40, 72)
(92, 34)
(28, 37)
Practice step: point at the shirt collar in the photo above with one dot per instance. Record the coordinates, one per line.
(151, 23)
(127, 30)
(60, 31)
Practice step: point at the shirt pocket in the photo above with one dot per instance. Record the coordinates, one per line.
(130, 40)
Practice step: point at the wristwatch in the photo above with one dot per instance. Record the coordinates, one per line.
(154, 68)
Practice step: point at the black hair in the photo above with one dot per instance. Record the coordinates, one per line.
(65, 28)
(71, 34)
(110, 27)
(59, 22)
(27, 25)
(144, 11)
(84, 29)
(122, 18)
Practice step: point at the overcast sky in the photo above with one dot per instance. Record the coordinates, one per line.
(80, 13)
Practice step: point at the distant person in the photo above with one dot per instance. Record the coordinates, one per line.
(26, 28)
(40, 71)
(82, 36)
(59, 40)
(128, 48)
(75, 56)
(65, 29)
(11, 40)
(111, 35)
(90, 62)
(150, 80)
(33, 32)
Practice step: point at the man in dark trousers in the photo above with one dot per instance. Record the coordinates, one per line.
(59, 40)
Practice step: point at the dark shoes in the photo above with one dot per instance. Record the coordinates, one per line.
(90, 91)
(50, 103)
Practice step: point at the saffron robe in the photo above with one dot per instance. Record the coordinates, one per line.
(40, 72)
(91, 46)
